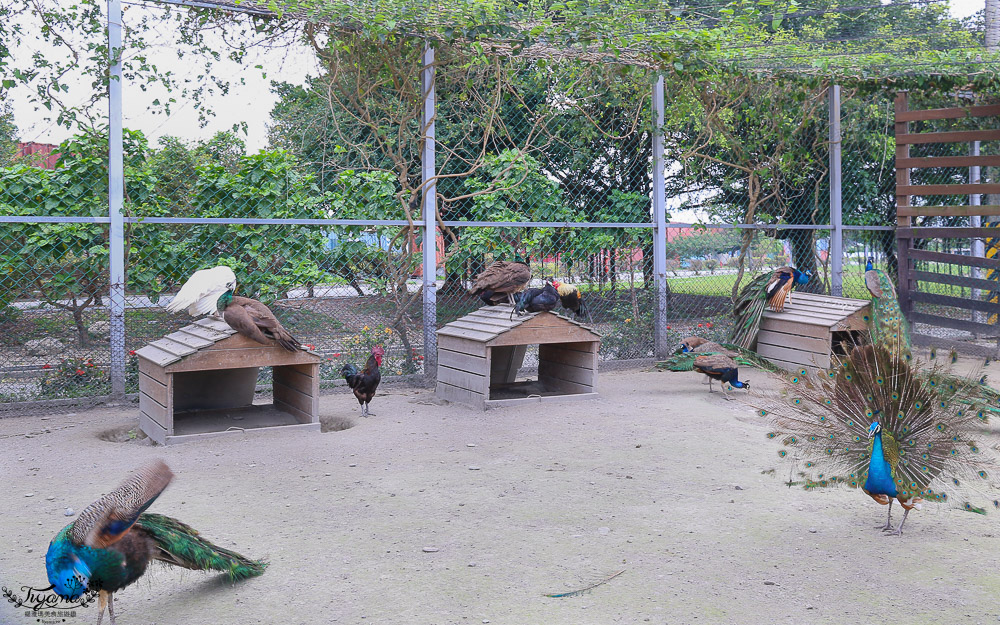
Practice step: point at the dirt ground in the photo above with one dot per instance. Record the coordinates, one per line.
(430, 514)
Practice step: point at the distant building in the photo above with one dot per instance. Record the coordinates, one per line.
(677, 229)
(42, 155)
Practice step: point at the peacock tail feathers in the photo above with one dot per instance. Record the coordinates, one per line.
(930, 423)
(747, 310)
(887, 321)
(181, 545)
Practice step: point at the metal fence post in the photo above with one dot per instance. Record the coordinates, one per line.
(836, 197)
(660, 224)
(429, 210)
(116, 196)
(978, 245)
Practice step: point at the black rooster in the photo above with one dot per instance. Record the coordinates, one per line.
(537, 300)
(365, 382)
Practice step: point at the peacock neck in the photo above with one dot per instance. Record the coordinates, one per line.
(879, 480)
(224, 300)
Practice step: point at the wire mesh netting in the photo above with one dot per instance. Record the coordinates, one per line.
(320, 217)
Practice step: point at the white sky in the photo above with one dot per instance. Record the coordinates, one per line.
(250, 102)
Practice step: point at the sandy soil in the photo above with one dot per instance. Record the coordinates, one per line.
(656, 478)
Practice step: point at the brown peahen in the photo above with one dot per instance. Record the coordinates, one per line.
(770, 289)
(501, 281)
(255, 320)
(110, 545)
(874, 422)
(722, 368)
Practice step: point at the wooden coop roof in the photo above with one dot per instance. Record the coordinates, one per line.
(203, 336)
(493, 326)
(835, 313)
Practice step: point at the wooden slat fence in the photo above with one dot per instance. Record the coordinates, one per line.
(937, 285)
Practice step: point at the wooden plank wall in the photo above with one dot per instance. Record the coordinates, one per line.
(920, 270)
(296, 391)
(568, 367)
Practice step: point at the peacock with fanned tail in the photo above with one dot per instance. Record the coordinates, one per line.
(768, 289)
(871, 422)
(110, 545)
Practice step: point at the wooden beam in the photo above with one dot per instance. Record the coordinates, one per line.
(945, 189)
(955, 136)
(955, 302)
(963, 281)
(902, 130)
(982, 329)
(949, 113)
(947, 233)
(947, 211)
(955, 259)
(984, 160)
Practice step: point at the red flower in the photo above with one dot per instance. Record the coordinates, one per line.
(668, 327)
(420, 357)
(79, 371)
(131, 352)
(699, 325)
(310, 346)
(708, 325)
(336, 355)
(46, 366)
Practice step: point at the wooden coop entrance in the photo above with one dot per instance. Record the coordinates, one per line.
(199, 382)
(949, 285)
(811, 329)
(479, 357)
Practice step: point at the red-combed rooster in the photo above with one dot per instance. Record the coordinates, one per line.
(365, 382)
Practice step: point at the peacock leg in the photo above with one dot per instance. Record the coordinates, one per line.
(725, 393)
(111, 607)
(888, 521)
(102, 602)
(899, 530)
(710, 385)
(368, 412)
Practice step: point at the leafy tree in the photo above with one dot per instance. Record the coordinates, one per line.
(8, 134)
(67, 264)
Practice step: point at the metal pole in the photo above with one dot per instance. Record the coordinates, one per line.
(992, 16)
(978, 246)
(429, 213)
(116, 197)
(660, 225)
(836, 197)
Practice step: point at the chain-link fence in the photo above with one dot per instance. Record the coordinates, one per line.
(322, 221)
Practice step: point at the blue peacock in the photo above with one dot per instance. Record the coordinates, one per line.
(898, 429)
(770, 289)
(113, 540)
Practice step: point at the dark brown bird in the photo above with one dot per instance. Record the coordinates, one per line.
(255, 320)
(365, 382)
(501, 280)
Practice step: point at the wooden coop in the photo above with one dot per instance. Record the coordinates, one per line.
(479, 357)
(200, 382)
(811, 329)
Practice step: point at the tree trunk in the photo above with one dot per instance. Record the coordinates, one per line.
(81, 327)
(804, 259)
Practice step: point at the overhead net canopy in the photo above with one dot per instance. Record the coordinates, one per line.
(864, 39)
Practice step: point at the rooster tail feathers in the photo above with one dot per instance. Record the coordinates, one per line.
(182, 545)
(350, 373)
